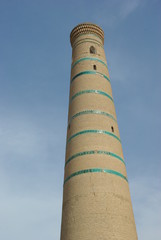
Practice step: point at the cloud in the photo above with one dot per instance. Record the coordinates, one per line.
(111, 13)
(127, 7)
(31, 185)
(31, 173)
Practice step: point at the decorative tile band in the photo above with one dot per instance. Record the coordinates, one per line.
(89, 72)
(95, 170)
(91, 91)
(94, 152)
(92, 131)
(89, 41)
(87, 59)
(91, 112)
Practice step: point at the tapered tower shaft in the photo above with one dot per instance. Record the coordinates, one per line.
(96, 198)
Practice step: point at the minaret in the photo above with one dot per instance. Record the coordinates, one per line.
(96, 198)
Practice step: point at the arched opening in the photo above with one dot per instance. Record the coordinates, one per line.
(92, 50)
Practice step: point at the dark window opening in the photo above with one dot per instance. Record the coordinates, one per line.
(68, 126)
(112, 128)
(94, 67)
(92, 50)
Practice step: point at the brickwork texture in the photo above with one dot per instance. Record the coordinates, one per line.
(96, 197)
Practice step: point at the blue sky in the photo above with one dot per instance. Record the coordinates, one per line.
(35, 60)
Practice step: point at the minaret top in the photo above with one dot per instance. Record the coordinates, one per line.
(84, 28)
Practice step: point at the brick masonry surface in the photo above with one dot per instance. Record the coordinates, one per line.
(96, 197)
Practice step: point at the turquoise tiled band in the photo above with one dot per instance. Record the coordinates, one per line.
(92, 131)
(91, 91)
(90, 72)
(88, 59)
(95, 170)
(91, 112)
(94, 152)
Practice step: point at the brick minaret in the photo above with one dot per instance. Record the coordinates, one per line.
(96, 198)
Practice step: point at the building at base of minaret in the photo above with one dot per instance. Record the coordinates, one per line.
(96, 197)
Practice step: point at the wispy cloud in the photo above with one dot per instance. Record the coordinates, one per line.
(112, 13)
(31, 193)
(127, 7)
